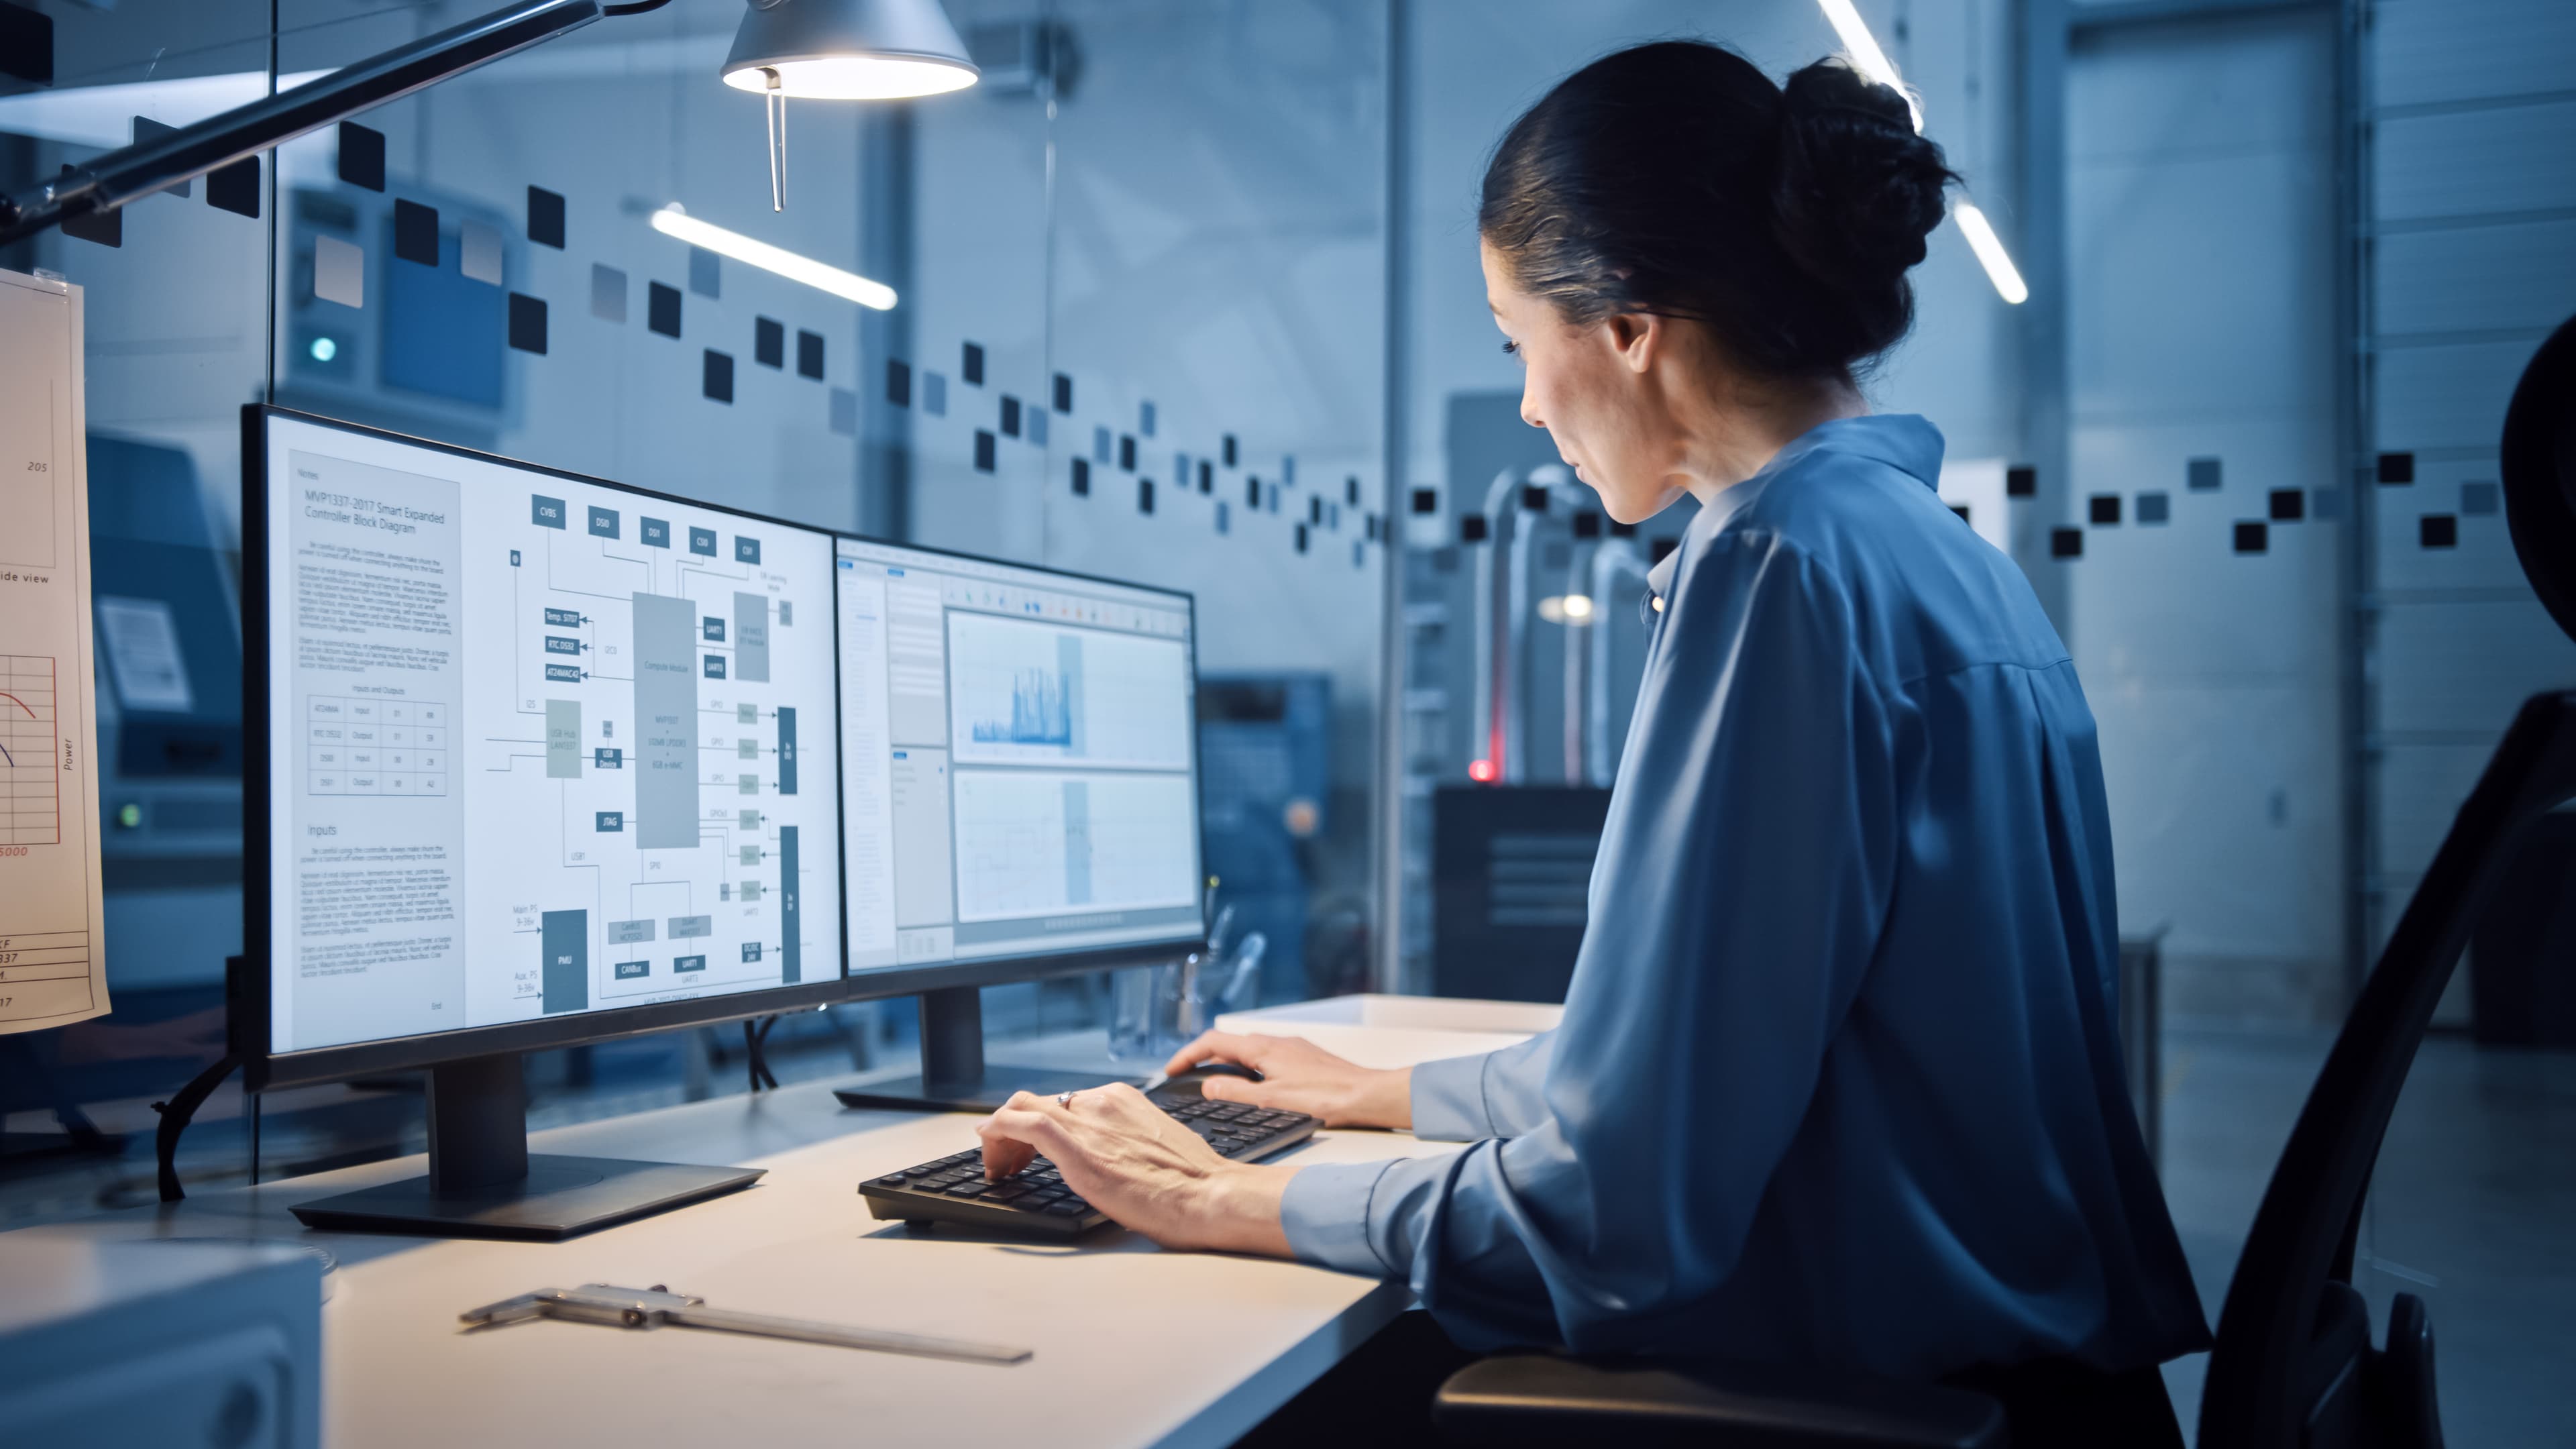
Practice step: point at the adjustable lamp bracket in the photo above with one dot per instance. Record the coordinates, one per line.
(137, 171)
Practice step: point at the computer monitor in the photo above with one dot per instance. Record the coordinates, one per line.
(1020, 792)
(535, 760)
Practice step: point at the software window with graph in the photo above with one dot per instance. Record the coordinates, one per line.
(1019, 760)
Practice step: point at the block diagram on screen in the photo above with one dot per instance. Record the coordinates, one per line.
(657, 815)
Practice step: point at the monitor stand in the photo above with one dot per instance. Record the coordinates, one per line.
(954, 1075)
(484, 1183)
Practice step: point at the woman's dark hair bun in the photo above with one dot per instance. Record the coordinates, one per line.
(1858, 190)
(1674, 178)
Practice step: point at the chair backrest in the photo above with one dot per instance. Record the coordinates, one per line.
(2293, 1363)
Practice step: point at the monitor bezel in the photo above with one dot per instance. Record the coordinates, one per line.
(883, 982)
(251, 1020)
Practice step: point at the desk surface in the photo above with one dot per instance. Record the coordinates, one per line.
(1133, 1345)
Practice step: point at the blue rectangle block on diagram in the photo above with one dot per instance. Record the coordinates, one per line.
(563, 945)
(689, 963)
(715, 666)
(633, 970)
(746, 550)
(750, 952)
(563, 618)
(711, 630)
(563, 674)
(545, 512)
(657, 534)
(605, 758)
(558, 644)
(603, 523)
(702, 541)
(611, 822)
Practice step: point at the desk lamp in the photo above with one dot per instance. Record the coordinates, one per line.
(842, 50)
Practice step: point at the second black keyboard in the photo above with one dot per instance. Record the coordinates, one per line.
(1035, 1199)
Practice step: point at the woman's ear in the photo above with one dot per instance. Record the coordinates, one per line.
(1637, 337)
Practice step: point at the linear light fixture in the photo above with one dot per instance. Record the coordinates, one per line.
(1990, 253)
(672, 221)
(1865, 55)
(1862, 49)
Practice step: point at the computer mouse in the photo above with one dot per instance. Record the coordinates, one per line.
(1188, 1082)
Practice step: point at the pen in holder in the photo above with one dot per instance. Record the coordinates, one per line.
(1156, 1010)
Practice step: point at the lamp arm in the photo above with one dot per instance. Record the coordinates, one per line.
(137, 171)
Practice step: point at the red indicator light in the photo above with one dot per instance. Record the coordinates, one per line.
(1481, 771)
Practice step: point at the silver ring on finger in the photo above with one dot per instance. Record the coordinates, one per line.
(1064, 1099)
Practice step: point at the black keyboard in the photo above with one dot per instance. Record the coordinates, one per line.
(1035, 1199)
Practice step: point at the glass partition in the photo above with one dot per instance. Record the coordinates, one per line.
(1137, 331)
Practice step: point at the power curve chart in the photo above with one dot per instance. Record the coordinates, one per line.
(34, 801)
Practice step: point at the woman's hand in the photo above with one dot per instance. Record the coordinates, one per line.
(1135, 1162)
(1299, 1076)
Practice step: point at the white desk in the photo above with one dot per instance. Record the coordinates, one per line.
(1133, 1346)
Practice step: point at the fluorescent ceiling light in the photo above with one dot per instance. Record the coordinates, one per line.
(1990, 253)
(1866, 57)
(1869, 60)
(673, 222)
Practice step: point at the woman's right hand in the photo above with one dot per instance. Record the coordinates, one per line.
(1299, 1076)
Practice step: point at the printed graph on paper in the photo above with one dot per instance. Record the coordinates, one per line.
(27, 741)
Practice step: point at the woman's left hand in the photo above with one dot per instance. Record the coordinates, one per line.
(1134, 1162)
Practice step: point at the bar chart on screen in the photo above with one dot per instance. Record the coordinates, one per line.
(27, 751)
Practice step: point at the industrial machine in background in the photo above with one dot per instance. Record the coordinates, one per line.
(170, 701)
(1527, 623)
(1264, 762)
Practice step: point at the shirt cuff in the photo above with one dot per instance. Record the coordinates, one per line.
(1325, 1212)
(1449, 1100)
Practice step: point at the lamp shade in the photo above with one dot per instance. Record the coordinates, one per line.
(848, 50)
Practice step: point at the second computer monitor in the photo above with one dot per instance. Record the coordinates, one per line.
(1019, 762)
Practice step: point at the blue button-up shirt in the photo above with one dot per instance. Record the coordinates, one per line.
(1839, 1079)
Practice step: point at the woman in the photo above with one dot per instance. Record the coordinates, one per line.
(1839, 1078)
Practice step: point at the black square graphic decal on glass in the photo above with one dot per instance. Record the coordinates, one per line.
(527, 323)
(362, 156)
(545, 218)
(416, 232)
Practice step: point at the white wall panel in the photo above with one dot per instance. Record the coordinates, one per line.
(2200, 196)
(2475, 278)
(2466, 667)
(2430, 51)
(2420, 790)
(2476, 163)
(2449, 396)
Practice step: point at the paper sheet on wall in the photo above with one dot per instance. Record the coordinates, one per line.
(53, 969)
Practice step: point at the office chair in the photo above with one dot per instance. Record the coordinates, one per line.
(2293, 1364)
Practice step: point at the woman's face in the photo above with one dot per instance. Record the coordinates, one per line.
(1593, 389)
